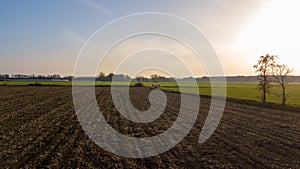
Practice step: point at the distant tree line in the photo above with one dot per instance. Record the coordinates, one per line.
(4, 77)
(33, 76)
(153, 78)
(121, 77)
(109, 77)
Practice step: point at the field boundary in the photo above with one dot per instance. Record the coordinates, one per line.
(271, 105)
(248, 102)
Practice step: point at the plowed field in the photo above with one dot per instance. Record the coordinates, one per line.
(39, 128)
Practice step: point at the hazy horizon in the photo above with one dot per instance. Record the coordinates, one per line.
(45, 37)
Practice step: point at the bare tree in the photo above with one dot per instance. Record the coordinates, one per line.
(101, 74)
(264, 67)
(154, 78)
(110, 76)
(281, 73)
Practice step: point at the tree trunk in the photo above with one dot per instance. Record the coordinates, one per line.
(264, 94)
(264, 89)
(283, 95)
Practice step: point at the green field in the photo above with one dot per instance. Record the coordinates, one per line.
(236, 90)
(249, 91)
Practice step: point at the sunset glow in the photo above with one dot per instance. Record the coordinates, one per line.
(46, 37)
(274, 30)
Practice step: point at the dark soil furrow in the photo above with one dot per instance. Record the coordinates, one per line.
(39, 129)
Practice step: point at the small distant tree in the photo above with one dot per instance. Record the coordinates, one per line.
(69, 78)
(162, 78)
(110, 76)
(154, 78)
(56, 76)
(281, 73)
(101, 74)
(264, 67)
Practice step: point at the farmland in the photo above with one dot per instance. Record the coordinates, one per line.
(236, 90)
(246, 91)
(39, 128)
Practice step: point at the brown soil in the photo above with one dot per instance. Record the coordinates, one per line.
(39, 128)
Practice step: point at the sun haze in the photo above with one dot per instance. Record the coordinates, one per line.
(45, 37)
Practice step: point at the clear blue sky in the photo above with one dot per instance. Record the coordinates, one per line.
(44, 37)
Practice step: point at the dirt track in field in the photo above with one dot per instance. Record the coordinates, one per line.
(39, 128)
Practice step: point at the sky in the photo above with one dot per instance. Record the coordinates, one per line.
(45, 37)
